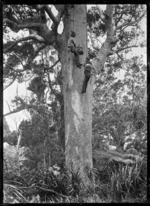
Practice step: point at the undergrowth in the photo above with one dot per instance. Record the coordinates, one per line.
(115, 182)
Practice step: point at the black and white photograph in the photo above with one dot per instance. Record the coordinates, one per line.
(74, 103)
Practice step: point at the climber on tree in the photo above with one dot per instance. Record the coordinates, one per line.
(77, 50)
(87, 72)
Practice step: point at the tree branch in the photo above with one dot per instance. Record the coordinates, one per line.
(99, 61)
(61, 9)
(110, 23)
(29, 25)
(116, 156)
(14, 111)
(119, 18)
(35, 54)
(128, 47)
(6, 20)
(53, 65)
(51, 15)
(133, 23)
(8, 106)
(18, 110)
(34, 37)
(30, 22)
(39, 26)
(16, 70)
(10, 83)
(49, 81)
(34, 24)
(119, 56)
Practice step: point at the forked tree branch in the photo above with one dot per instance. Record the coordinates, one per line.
(51, 15)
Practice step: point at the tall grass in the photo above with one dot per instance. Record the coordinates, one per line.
(114, 182)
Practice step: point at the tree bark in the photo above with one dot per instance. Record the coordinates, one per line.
(77, 105)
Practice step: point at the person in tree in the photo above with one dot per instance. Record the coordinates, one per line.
(87, 72)
(77, 50)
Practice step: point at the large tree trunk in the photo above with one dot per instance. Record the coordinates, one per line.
(77, 105)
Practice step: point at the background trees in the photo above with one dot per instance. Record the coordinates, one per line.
(122, 111)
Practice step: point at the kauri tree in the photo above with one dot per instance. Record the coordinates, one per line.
(79, 66)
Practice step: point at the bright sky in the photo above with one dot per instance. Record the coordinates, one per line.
(15, 119)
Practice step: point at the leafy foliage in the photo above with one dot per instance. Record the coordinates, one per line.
(13, 160)
(116, 181)
(12, 138)
(123, 108)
